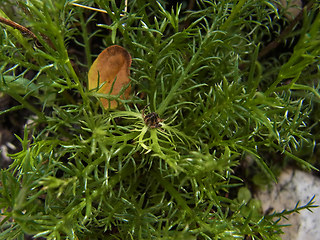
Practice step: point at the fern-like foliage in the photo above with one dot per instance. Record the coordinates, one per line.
(89, 173)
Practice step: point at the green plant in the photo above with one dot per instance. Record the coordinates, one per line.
(89, 173)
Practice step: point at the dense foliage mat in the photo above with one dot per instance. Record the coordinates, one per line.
(223, 95)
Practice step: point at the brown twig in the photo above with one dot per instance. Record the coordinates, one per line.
(26, 31)
(19, 27)
(274, 44)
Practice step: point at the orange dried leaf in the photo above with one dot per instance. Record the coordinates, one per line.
(111, 68)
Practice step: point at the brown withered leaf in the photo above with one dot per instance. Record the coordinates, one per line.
(112, 67)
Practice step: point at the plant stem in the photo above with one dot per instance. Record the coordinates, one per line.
(184, 74)
(74, 76)
(25, 103)
(19, 27)
(85, 39)
(234, 12)
(194, 58)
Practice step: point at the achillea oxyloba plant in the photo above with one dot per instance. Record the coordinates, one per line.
(218, 93)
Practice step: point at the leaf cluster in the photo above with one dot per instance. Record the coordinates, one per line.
(89, 173)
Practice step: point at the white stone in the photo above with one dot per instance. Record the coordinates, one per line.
(294, 186)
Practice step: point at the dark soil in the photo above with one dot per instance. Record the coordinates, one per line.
(11, 125)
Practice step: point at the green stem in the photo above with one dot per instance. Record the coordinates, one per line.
(70, 67)
(298, 87)
(86, 40)
(179, 200)
(173, 192)
(194, 58)
(307, 88)
(184, 75)
(299, 160)
(233, 14)
(27, 105)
